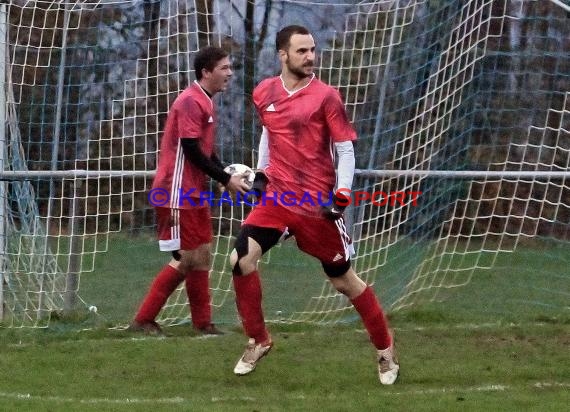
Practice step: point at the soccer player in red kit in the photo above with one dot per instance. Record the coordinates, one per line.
(304, 124)
(187, 158)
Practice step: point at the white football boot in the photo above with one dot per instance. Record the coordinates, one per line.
(253, 353)
(388, 366)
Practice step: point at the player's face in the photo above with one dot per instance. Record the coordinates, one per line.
(219, 78)
(300, 58)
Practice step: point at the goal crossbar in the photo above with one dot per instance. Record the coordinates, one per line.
(450, 174)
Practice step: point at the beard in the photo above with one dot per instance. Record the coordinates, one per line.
(299, 71)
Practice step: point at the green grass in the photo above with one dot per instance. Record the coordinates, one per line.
(528, 285)
(487, 347)
(444, 367)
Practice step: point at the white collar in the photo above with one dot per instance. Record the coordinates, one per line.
(292, 92)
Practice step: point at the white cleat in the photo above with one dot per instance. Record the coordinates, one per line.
(388, 366)
(253, 353)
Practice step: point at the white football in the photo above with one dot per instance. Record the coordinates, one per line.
(241, 169)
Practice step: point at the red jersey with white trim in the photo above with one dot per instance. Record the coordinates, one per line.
(302, 128)
(192, 115)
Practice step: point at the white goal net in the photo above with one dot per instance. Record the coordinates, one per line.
(466, 104)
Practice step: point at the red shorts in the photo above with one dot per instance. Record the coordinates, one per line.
(327, 240)
(183, 229)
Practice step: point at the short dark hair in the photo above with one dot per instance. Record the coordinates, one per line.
(283, 37)
(207, 58)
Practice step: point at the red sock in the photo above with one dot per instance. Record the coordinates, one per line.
(198, 291)
(248, 300)
(161, 288)
(367, 305)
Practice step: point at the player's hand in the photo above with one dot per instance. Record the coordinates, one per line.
(335, 210)
(237, 184)
(259, 183)
(258, 187)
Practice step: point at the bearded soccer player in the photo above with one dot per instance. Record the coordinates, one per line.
(304, 123)
(187, 158)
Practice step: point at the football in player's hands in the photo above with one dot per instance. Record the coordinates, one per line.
(241, 169)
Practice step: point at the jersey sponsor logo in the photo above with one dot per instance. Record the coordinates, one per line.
(270, 108)
(211, 120)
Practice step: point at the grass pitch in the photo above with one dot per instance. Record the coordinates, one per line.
(443, 367)
(455, 355)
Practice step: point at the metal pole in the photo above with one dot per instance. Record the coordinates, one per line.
(3, 153)
(55, 142)
(561, 4)
(361, 173)
(72, 277)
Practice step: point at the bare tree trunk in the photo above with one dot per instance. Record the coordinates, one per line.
(249, 56)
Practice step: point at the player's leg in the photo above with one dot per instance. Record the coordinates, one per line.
(251, 243)
(186, 233)
(329, 242)
(195, 265)
(194, 259)
(162, 286)
(169, 277)
(368, 307)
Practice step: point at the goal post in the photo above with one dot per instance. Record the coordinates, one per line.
(462, 111)
(3, 155)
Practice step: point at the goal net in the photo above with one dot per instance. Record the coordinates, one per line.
(462, 111)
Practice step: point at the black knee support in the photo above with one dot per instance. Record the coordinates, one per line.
(264, 236)
(336, 269)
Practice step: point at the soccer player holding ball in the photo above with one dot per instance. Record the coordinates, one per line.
(304, 121)
(186, 161)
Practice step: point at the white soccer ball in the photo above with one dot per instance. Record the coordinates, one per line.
(238, 169)
(93, 309)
